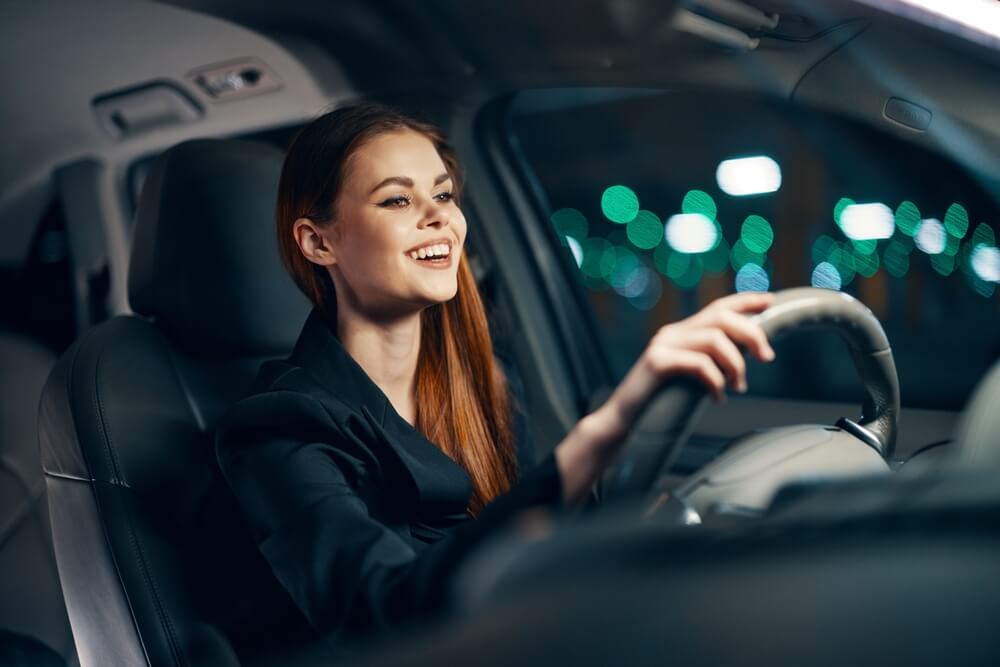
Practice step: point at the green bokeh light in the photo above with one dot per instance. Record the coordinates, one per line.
(943, 264)
(661, 255)
(699, 201)
(864, 246)
(645, 230)
(691, 275)
(866, 265)
(821, 248)
(757, 234)
(983, 234)
(896, 258)
(842, 258)
(599, 257)
(570, 222)
(677, 264)
(982, 287)
(625, 264)
(908, 218)
(741, 255)
(951, 244)
(956, 220)
(839, 207)
(619, 204)
(717, 259)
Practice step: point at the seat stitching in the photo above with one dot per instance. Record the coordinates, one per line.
(133, 538)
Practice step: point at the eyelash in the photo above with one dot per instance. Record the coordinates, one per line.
(397, 201)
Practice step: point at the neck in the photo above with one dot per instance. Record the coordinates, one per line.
(388, 351)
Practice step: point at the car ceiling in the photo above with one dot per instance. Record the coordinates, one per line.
(61, 55)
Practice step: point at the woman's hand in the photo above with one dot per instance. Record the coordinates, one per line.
(705, 346)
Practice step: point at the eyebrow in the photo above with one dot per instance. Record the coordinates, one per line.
(407, 182)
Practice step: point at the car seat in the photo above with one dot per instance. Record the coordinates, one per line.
(31, 603)
(156, 564)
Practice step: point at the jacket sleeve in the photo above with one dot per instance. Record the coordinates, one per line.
(306, 489)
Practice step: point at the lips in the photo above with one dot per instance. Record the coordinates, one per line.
(432, 254)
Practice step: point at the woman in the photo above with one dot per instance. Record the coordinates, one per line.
(385, 448)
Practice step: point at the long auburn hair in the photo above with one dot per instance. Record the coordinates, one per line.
(463, 405)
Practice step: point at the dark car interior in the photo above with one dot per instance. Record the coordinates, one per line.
(844, 509)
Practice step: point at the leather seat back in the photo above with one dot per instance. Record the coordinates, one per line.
(157, 565)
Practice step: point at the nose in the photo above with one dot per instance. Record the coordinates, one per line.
(436, 214)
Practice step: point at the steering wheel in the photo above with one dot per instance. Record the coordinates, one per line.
(769, 458)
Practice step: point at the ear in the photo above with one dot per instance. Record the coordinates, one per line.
(315, 246)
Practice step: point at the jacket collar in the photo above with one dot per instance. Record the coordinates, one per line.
(440, 481)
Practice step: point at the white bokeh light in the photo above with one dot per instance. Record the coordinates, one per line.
(985, 262)
(862, 222)
(691, 233)
(930, 236)
(745, 176)
(576, 249)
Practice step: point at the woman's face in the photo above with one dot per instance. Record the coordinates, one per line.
(397, 233)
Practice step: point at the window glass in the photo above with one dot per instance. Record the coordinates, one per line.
(665, 201)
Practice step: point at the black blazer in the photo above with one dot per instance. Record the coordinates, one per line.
(360, 516)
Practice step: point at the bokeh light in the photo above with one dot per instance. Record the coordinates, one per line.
(691, 233)
(717, 259)
(754, 175)
(821, 249)
(986, 262)
(943, 264)
(742, 255)
(757, 234)
(867, 221)
(930, 236)
(752, 278)
(645, 230)
(619, 204)
(896, 258)
(839, 207)
(699, 201)
(570, 222)
(599, 257)
(650, 296)
(826, 275)
(576, 249)
(907, 218)
(866, 265)
(956, 221)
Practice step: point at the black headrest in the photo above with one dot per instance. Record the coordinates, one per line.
(204, 260)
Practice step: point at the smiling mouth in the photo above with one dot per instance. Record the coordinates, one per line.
(435, 257)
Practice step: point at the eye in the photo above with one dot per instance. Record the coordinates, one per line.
(445, 196)
(399, 201)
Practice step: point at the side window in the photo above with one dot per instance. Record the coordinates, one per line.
(666, 201)
(36, 298)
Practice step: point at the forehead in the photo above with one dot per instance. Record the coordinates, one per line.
(404, 153)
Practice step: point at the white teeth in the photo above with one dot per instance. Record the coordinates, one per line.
(439, 250)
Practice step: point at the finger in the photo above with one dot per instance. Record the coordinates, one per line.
(701, 367)
(723, 351)
(747, 333)
(746, 302)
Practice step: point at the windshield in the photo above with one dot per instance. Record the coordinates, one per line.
(661, 202)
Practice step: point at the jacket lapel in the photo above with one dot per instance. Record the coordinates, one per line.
(442, 485)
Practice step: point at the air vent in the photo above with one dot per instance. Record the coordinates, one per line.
(127, 113)
(235, 79)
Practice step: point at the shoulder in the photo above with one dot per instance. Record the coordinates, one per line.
(284, 406)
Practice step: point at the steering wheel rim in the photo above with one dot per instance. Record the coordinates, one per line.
(666, 419)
